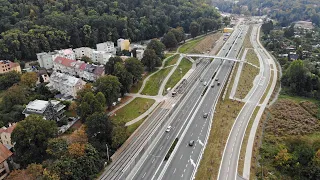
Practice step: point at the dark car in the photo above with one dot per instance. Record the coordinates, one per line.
(191, 143)
(205, 115)
(218, 83)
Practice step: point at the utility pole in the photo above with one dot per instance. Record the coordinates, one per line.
(108, 152)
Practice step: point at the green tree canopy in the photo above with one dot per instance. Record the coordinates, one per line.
(31, 137)
(169, 40)
(157, 46)
(194, 29)
(150, 59)
(135, 67)
(110, 86)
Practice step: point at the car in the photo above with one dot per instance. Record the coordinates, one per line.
(217, 79)
(205, 83)
(218, 83)
(191, 143)
(212, 85)
(168, 129)
(235, 49)
(201, 80)
(205, 115)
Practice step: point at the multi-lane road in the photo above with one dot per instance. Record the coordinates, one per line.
(229, 164)
(189, 124)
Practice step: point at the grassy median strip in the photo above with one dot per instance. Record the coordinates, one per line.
(247, 77)
(225, 113)
(132, 110)
(252, 57)
(245, 141)
(171, 149)
(188, 47)
(184, 66)
(171, 60)
(154, 82)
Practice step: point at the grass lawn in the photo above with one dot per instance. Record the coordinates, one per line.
(247, 76)
(136, 87)
(172, 60)
(153, 84)
(134, 109)
(297, 99)
(226, 113)
(252, 57)
(133, 127)
(245, 141)
(188, 47)
(70, 113)
(185, 65)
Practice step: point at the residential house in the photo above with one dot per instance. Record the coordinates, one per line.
(43, 76)
(51, 110)
(107, 47)
(46, 59)
(123, 44)
(139, 50)
(139, 53)
(293, 57)
(66, 84)
(101, 57)
(83, 51)
(5, 156)
(7, 66)
(78, 68)
(5, 135)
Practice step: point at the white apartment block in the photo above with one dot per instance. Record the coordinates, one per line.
(140, 53)
(101, 57)
(107, 47)
(65, 84)
(83, 51)
(46, 59)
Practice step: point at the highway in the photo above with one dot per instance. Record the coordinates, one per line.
(190, 118)
(185, 160)
(132, 151)
(229, 164)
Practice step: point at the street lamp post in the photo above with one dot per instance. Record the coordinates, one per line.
(108, 152)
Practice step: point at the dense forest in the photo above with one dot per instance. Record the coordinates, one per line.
(29, 27)
(285, 11)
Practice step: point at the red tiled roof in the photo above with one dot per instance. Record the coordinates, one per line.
(99, 71)
(11, 128)
(4, 153)
(64, 61)
(83, 66)
(14, 64)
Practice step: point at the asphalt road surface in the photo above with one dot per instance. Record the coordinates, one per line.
(229, 164)
(190, 118)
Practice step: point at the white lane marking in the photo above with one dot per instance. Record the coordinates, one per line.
(153, 160)
(192, 152)
(168, 137)
(181, 175)
(192, 163)
(174, 170)
(196, 125)
(144, 175)
(200, 142)
(184, 170)
(161, 148)
(181, 156)
(191, 134)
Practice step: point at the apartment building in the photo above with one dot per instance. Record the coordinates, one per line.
(123, 44)
(106, 47)
(5, 156)
(5, 135)
(46, 59)
(7, 66)
(83, 51)
(101, 57)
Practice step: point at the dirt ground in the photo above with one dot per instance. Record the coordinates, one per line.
(208, 42)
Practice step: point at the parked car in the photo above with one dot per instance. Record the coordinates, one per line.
(191, 143)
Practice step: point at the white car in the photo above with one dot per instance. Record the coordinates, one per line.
(168, 129)
(205, 83)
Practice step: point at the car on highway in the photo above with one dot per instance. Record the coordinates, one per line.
(168, 129)
(191, 143)
(217, 79)
(205, 115)
(212, 85)
(218, 83)
(201, 80)
(235, 49)
(205, 83)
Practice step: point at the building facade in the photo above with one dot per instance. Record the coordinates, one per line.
(89, 72)
(65, 84)
(50, 110)
(106, 47)
(5, 155)
(7, 66)
(123, 44)
(5, 135)
(83, 51)
(101, 57)
(46, 59)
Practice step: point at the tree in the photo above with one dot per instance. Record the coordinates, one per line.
(33, 171)
(169, 40)
(86, 59)
(90, 104)
(150, 59)
(157, 46)
(289, 32)
(135, 67)
(57, 147)
(99, 130)
(110, 86)
(15, 95)
(109, 68)
(31, 136)
(226, 21)
(267, 27)
(119, 136)
(8, 79)
(125, 78)
(194, 29)
(178, 33)
(29, 79)
(76, 150)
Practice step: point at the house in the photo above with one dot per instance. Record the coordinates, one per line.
(50, 110)
(66, 84)
(7, 66)
(43, 76)
(293, 57)
(123, 44)
(78, 68)
(107, 47)
(5, 135)
(101, 57)
(46, 60)
(83, 51)
(5, 156)
(139, 53)
(67, 53)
